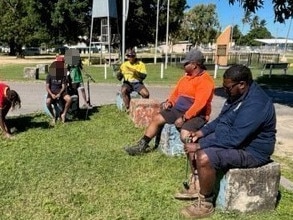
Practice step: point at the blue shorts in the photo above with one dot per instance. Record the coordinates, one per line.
(137, 86)
(225, 159)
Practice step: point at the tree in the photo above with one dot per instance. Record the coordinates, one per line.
(283, 9)
(32, 22)
(236, 34)
(141, 21)
(19, 24)
(256, 33)
(200, 24)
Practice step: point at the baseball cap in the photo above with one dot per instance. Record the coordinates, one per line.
(194, 56)
(130, 53)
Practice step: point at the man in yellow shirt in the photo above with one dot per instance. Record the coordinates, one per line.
(133, 72)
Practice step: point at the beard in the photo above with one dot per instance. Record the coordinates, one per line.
(233, 98)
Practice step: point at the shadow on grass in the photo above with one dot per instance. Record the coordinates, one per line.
(40, 120)
(278, 87)
(25, 122)
(84, 114)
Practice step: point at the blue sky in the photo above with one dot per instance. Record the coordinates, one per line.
(233, 14)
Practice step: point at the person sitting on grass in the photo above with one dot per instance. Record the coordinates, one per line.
(9, 99)
(188, 106)
(133, 72)
(242, 136)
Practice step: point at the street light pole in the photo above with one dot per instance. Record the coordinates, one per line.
(286, 42)
(157, 27)
(167, 35)
(124, 18)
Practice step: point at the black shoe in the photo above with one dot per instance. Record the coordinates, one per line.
(140, 148)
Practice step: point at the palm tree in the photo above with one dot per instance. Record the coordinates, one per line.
(246, 19)
(254, 22)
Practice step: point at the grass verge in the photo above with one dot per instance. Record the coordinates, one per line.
(78, 170)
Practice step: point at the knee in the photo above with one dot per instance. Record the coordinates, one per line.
(158, 119)
(124, 91)
(202, 159)
(184, 135)
(145, 94)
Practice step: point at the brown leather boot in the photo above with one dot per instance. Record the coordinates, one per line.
(192, 192)
(201, 208)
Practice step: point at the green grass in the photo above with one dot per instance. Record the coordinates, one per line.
(79, 170)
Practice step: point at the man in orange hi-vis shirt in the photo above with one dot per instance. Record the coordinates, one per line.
(188, 106)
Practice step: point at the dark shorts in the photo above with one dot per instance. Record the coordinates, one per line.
(130, 87)
(193, 124)
(62, 95)
(225, 159)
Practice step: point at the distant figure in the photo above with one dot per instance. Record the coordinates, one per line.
(9, 99)
(133, 72)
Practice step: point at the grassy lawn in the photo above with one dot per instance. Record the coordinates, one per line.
(155, 77)
(79, 170)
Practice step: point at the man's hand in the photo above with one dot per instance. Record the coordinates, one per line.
(179, 122)
(167, 105)
(195, 135)
(191, 147)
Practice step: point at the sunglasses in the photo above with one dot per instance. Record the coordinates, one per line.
(229, 88)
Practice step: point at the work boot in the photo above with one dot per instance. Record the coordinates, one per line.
(201, 208)
(191, 192)
(138, 149)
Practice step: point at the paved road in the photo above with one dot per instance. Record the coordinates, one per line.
(33, 93)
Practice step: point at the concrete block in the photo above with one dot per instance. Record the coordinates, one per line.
(170, 143)
(119, 101)
(248, 190)
(141, 111)
(31, 72)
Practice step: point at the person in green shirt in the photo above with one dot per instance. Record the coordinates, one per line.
(76, 82)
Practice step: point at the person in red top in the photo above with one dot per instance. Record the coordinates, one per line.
(188, 106)
(8, 99)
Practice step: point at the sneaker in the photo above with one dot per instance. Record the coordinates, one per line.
(138, 149)
(201, 208)
(191, 192)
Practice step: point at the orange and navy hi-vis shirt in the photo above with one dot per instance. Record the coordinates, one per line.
(3, 94)
(128, 74)
(193, 95)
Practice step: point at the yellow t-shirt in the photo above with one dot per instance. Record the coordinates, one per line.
(128, 74)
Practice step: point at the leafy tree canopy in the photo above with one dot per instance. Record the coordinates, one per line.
(283, 8)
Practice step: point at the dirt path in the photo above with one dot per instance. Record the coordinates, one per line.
(15, 60)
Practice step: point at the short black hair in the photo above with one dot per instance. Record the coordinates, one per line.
(239, 73)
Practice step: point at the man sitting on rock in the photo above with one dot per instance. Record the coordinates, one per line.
(242, 136)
